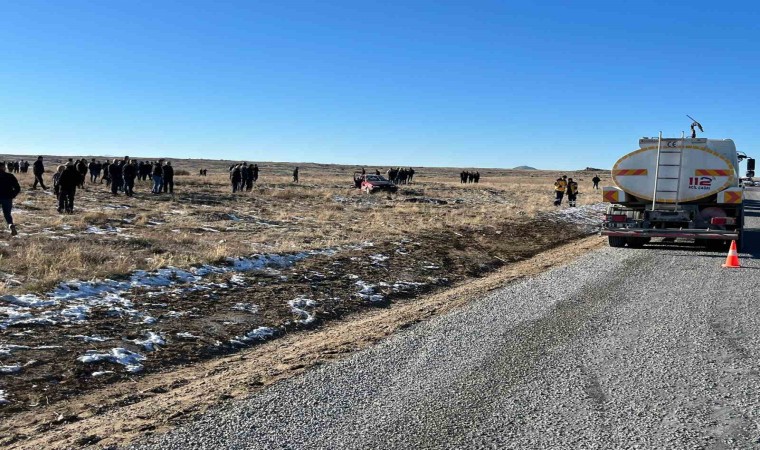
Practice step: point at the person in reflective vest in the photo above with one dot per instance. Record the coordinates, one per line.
(559, 190)
(572, 192)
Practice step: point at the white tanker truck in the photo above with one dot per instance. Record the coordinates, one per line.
(676, 188)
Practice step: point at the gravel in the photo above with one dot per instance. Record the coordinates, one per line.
(623, 348)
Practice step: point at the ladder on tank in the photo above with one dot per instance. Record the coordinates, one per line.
(667, 173)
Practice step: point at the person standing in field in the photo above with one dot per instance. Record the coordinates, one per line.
(596, 181)
(129, 173)
(235, 177)
(68, 182)
(249, 178)
(255, 173)
(559, 190)
(37, 170)
(157, 180)
(9, 189)
(167, 175)
(572, 192)
(117, 179)
(82, 169)
(295, 175)
(57, 182)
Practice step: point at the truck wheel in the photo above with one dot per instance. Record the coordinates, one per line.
(616, 241)
(638, 242)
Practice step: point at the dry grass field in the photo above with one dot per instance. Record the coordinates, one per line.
(132, 285)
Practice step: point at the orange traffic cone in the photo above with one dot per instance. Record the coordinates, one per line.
(732, 260)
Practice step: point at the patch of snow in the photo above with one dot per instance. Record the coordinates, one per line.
(151, 342)
(101, 373)
(108, 229)
(10, 369)
(247, 307)
(237, 279)
(90, 338)
(588, 216)
(7, 349)
(405, 286)
(378, 259)
(259, 334)
(187, 335)
(3, 397)
(131, 361)
(367, 292)
(297, 305)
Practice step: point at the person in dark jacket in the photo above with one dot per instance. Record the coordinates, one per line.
(95, 167)
(249, 178)
(295, 175)
(255, 173)
(106, 173)
(596, 181)
(117, 181)
(235, 177)
(82, 169)
(38, 169)
(68, 182)
(167, 177)
(9, 189)
(57, 182)
(157, 180)
(129, 173)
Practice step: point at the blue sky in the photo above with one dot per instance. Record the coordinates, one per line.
(560, 85)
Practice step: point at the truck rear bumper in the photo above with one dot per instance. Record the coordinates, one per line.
(665, 233)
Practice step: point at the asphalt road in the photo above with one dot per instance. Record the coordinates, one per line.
(652, 348)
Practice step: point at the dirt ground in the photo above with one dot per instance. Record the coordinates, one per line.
(123, 411)
(127, 289)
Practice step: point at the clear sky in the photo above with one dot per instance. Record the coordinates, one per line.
(560, 84)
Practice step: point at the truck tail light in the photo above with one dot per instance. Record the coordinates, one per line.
(617, 217)
(723, 221)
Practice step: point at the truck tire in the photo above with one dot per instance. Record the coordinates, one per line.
(616, 241)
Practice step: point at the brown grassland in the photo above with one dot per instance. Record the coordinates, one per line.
(369, 252)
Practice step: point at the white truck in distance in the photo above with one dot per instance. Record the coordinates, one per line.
(675, 188)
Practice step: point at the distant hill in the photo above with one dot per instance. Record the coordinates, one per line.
(524, 168)
(591, 169)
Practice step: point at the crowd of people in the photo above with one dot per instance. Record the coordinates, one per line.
(469, 177)
(400, 175)
(118, 174)
(19, 166)
(243, 175)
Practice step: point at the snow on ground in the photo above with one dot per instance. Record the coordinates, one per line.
(131, 361)
(406, 286)
(247, 307)
(378, 259)
(151, 342)
(10, 369)
(297, 307)
(588, 216)
(3, 397)
(187, 335)
(72, 301)
(90, 338)
(259, 334)
(367, 292)
(108, 229)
